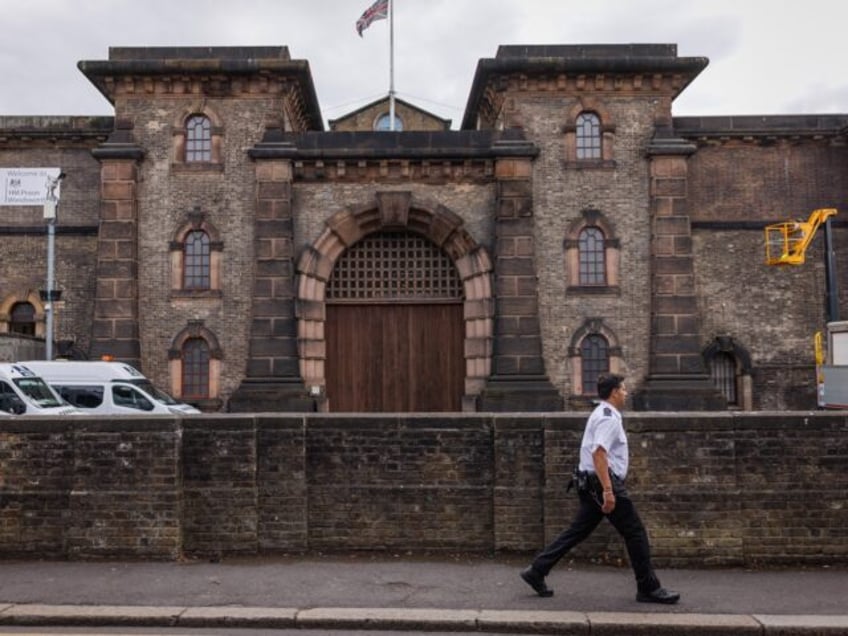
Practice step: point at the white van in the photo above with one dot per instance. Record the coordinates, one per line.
(22, 392)
(100, 387)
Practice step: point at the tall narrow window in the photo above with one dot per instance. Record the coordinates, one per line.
(592, 255)
(594, 354)
(196, 260)
(198, 144)
(195, 372)
(22, 319)
(723, 374)
(592, 251)
(588, 136)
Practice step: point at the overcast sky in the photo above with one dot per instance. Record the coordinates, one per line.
(766, 56)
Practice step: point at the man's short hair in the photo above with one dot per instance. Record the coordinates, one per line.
(608, 383)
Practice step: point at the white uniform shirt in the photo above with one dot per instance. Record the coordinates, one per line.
(604, 429)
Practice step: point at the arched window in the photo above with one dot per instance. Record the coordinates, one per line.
(595, 360)
(594, 350)
(588, 136)
(198, 143)
(592, 254)
(383, 122)
(196, 256)
(196, 260)
(194, 364)
(729, 365)
(22, 319)
(195, 369)
(197, 140)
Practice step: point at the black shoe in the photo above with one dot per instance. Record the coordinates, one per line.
(659, 595)
(536, 581)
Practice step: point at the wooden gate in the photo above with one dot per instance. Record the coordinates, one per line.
(394, 328)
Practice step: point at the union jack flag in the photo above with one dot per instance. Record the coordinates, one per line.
(377, 11)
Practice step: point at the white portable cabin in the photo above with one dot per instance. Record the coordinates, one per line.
(101, 387)
(833, 374)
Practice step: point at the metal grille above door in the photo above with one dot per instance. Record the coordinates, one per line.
(394, 267)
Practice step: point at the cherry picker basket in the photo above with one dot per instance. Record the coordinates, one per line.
(787, 242)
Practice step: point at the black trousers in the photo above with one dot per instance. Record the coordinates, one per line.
(626, 521)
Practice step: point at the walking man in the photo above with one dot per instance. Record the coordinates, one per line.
(600, 485)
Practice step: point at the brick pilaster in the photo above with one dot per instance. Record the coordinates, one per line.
(115, 329)
(677, 378)
(519, 381)
(273, 381)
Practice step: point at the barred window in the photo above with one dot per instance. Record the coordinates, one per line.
(723, 374)
(198, 145)
(594, 354)
(588, 136)
(22, 319)
(397, 267)
(195, 372)
(592, 254)
(196, 260)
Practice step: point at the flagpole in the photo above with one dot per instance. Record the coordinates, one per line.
(391, 65)
(378, 11)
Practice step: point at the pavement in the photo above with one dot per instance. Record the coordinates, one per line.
(408, 592)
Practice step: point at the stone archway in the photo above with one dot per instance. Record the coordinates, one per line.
(394, 210)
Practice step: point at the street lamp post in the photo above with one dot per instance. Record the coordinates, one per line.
(51, 205)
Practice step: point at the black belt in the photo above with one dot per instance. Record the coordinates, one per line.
(585, 480)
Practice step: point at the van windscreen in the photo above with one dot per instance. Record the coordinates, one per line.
(37, 390)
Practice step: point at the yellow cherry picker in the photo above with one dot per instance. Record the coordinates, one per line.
(786, 244)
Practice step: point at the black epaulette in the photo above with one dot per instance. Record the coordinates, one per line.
(607, 411)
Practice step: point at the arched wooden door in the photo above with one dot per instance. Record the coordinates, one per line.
(394, 327)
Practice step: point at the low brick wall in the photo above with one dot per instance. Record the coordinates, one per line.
(713, 489)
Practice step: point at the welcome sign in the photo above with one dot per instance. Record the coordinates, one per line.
(26, 186)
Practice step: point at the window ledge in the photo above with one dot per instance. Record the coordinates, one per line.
(198, 167)
(196, 294)
(589, 164)
(582, 402)
(207, 405)
(593, 290)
